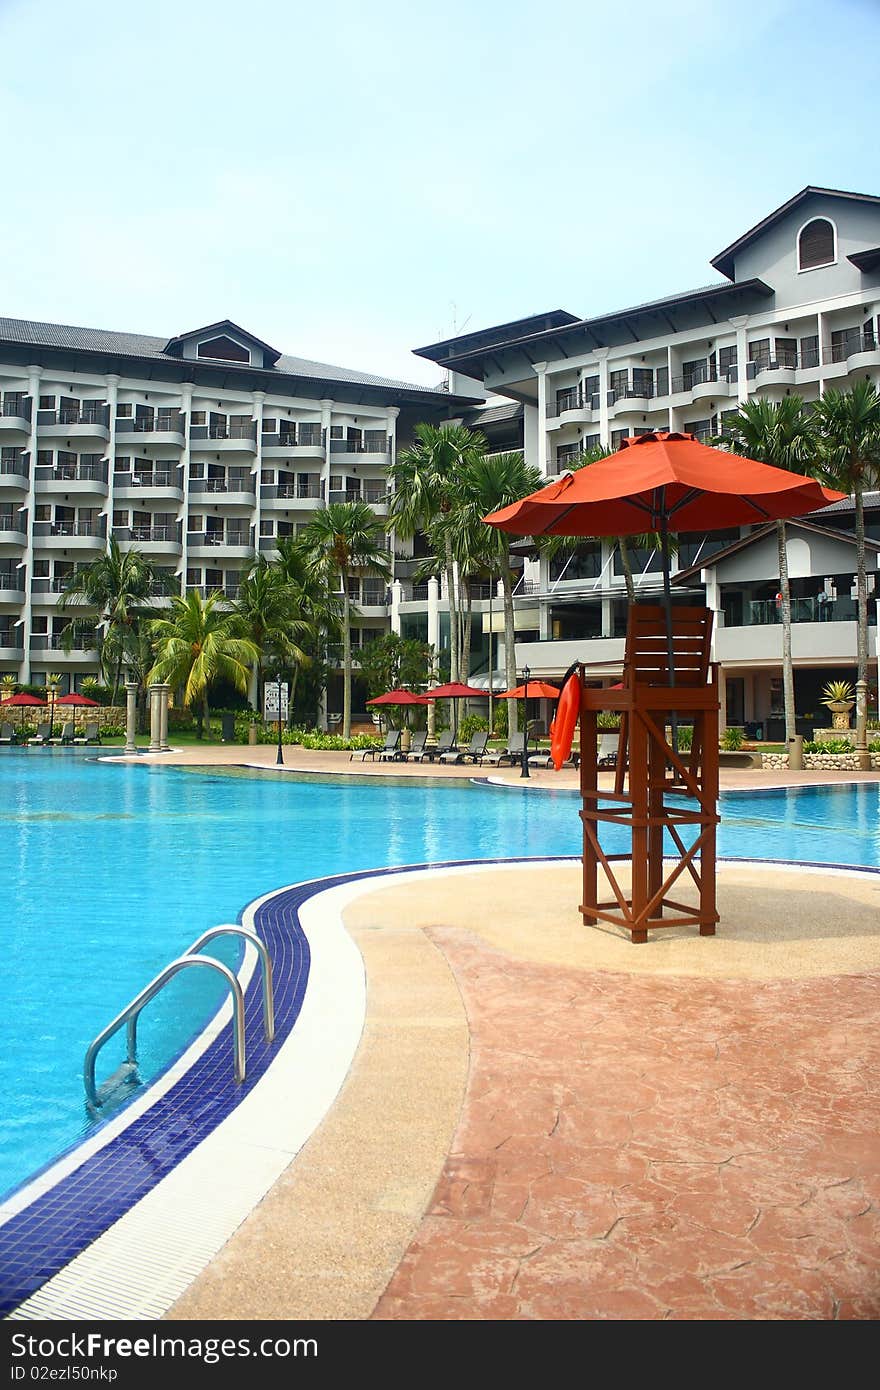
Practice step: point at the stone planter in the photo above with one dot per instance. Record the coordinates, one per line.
(840, 712)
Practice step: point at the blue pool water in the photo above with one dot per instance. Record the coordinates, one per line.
(112, 870)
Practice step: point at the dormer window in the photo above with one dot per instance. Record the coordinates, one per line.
(817, 244)
(224, 349)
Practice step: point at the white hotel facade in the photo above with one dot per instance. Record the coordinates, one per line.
(200, 451)
(795, 309)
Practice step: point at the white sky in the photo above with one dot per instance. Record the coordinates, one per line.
(349, 181)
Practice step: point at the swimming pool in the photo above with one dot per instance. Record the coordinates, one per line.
(113, 869)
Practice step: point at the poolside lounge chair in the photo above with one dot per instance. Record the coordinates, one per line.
(66, 735)
(511, 754)
(7, 732)
(416, 747)
(543, 759)
(391, 752)
(472, 754)
(607, 752)
(90, 734)
(41, 737)
(392, 738)
(445, 744)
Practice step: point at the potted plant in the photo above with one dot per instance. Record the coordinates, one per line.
(837, 696)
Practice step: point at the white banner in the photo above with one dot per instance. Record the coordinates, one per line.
(270, 700)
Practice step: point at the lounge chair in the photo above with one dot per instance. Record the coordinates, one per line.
(416, 747)
(511, 754)
(7, 732)
(66, 735)
(391, 752)
(445, 744)
(392, 738)
(543, 759)
(41, 737)
(607, 752)
(90, 734)
(472, 754)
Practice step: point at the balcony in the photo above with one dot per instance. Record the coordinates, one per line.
(376, 494)
(82, 647)
(11, 586)
(228, 592)
(237, 543)
(602, 655)
(162, 484)
(13, 528)
(152, 540)
(292, 492)
(224, 438)
(88, 422)
(379, 448)
(574, 405)
(11, 643)
(73, 478)
(78, 535)
(239, 491)
(857, 350)
(705, 382)
(14, 473)
(161, 429)
(302, 441)
(15, 415)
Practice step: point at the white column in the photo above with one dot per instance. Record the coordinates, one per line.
(391, 415)
(326, 421)
(259, 398)
(433, 641)
(153, 694)
(186, 396)
(112, 393)
(24, 674)
(601, 354)
(131, 691)
(541, 373)
(670, 365)
(164, 692)
(742, 357)
(820, 333)
(395, 606)
(607, 597)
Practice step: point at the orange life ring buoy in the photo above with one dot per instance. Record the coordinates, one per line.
(568, 708)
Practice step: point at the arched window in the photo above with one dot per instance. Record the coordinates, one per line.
(816, 244)
(224, 350)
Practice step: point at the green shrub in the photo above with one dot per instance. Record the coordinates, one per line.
(685, 738)
(608, 719)
(500, 722)
(732, 740)
(470, 725)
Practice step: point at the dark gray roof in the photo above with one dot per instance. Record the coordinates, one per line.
(494, 414)
(847, 504)
(140, 345)
(724, 261)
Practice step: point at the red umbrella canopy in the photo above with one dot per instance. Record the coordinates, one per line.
(74, 698)
(535, 690)
(454, 690)
(399, 697)
(23, 699)
(662, 476)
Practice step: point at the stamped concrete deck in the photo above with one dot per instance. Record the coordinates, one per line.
(546, 1122)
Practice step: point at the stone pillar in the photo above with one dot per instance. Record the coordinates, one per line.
(164, 692)
(155, 718)
(862, 752)
(433, 641)
(131, 691)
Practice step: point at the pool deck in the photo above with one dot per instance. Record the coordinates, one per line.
(545, 1122)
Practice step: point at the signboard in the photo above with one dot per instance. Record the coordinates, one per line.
(270, 701)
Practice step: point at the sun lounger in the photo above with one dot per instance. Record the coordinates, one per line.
(391, 752)
(392, 738)
(445, 744)
(511, 754)
(606, 755)
(66, 735)
(472, 754)
(41, 737)
(7, 733)
(90, 734)
(416, 747)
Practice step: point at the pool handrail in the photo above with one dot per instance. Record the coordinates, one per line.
(233, 929)
(130, 1012)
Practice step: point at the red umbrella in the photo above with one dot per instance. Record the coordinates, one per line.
(534, 690)
(454, 690)
(399, 697)
(662, 482)
(77, 701)
(24, 701)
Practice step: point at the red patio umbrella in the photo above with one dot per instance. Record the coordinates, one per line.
(660, 483)
(399, 697)
(533, 690)
(77, 701)
(454, 690)
(23, 701)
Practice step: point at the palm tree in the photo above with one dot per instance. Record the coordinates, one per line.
(199, 643)
(488, 483)
(426, 488)
(268, 613)
(342, 538)
(117, 585)
(849, 428)
(317, 608)
(782, 434)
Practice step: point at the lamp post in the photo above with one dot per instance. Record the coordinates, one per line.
(524, 770)
(279, 756)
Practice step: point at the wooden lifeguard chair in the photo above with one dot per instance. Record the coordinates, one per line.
(654, 696)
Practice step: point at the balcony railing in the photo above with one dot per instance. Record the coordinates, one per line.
(73, 473)
(767, 613)
(12, 638)
(17, 524)
(376, 496)
(171, 533)
(293, 491)
(146, 424)
(202, 432)
(12, 579)
(16, 409)
(219, 538)
(54, 642)
(360, 446)
(159, 477)
(861, 342)
(305, 436)
(69, 415)
(97, 529)
(18, 467)
(245, 483)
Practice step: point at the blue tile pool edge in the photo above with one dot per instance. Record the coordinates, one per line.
(38, 1241)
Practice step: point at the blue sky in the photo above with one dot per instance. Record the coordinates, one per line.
(352, 180)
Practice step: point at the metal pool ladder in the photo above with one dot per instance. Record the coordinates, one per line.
(190, 957)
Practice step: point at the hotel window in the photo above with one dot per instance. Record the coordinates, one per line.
(195, 523)
(267, 475)
(337, 432)
(643, 381)
(44, 458)
(816, 244)
(726, 360)
(619, 382)
(47, 402)
(810, 351)
(760, 351)
(591, 387)
(42, 512)
(123, 410)
(41, 569)
(786, 352)
(120, 518)
(662, 381)
(198, 417)
(269, 426)
(267, 526)
(193, 578)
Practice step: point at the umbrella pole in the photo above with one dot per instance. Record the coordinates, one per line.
(667, 607)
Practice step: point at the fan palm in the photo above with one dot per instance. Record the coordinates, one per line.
(849, 428)
(782, 434)
(488, 483)
(342, 538)
(426, 490)
(199, 643)
(116, 587)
